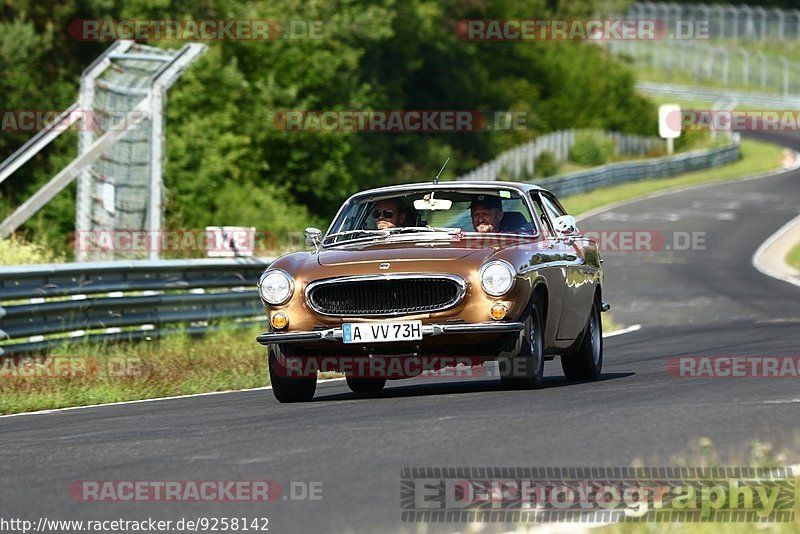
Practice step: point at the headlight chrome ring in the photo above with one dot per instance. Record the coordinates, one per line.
(276, 287)
(497, 278)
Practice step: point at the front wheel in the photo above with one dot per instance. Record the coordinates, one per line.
(288, 384)
(587, 362)
(525, 369)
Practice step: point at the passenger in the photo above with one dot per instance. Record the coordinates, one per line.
(487, 212)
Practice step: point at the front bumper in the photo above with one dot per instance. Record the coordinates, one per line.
(428, 330)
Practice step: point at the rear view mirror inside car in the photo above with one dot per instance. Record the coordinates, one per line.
(433, 204)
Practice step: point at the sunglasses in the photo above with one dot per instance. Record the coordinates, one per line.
(387, 214)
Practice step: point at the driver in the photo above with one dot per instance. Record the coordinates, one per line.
(487, 212)
(388, 213)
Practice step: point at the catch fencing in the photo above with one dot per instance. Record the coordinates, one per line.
(706, 63)
(741, 22)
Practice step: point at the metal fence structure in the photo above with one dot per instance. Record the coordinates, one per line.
(725, 21)
(519, 163)
(123, 189)
(707, 63)
(708, 94)
(120, 113)
(49, 305)
(711, 53)
(617, 173)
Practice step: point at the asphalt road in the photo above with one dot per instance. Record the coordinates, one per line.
(689, 303)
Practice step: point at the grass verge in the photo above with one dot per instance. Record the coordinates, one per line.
(793, 258)
(85, 374)
(16, 251)
(757, 157)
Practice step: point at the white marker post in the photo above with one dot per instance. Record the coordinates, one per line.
(669, 124)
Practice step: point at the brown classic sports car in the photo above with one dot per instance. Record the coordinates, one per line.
(420, 277)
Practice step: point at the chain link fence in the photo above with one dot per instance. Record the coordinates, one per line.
(123, 188)
(718, 52)
(114, 192)
(705, 63)
(724, 21)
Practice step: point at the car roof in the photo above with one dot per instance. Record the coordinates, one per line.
(471, 184)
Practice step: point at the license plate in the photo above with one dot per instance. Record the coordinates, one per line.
(381, 332)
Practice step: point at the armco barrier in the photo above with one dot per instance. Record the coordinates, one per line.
(617, 173)
(47, 305)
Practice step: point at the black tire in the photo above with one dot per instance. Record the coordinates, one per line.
(285, 386)
(365, 385)
(525, 369)
(587, 362)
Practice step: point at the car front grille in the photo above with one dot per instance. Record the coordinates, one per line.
(385, 295)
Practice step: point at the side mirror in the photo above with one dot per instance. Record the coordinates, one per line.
(313, 236)
(566, 225)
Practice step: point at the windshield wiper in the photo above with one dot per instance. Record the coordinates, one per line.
(408, 229)
(392, 231)
(351, 232)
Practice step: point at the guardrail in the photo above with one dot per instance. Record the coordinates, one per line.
(519, 163)
(48, 305)
(707, 94)
(617, 173)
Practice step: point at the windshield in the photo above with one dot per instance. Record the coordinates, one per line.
(455, 212)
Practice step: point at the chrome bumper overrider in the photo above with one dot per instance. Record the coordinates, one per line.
(335, 334)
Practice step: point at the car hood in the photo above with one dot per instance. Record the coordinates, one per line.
(419, 251)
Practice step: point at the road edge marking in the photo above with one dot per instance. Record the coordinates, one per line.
(782, 271)
(632, 328)
(680, 189)
(155, 399)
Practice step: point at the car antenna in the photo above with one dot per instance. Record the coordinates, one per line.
(436, 180)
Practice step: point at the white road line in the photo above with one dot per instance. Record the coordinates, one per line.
(681, 189)
(763, 266)
(122, 403)
(632, 328)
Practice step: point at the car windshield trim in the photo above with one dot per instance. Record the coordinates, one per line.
(427, 231)
(473, 233)
(366, 234)
(372, 234)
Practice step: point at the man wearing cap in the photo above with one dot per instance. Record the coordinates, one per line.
(487, 212)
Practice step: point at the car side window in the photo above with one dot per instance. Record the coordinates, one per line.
(552, 207)
(543, 220)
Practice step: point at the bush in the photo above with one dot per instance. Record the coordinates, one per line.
(591, 148)
(546, 164)
(14, 251)
(693, 139)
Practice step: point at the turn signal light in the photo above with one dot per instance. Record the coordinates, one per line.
(498, 311)
(280, 321)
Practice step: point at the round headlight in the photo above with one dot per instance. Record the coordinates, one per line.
(497, 278)
(275, 287)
